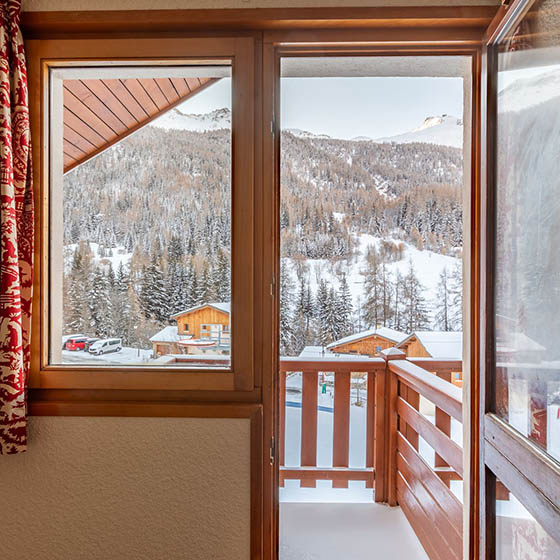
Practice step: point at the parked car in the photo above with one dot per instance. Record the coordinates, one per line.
(106, 345)
(89, 343)
(76, 343)
(67, 337)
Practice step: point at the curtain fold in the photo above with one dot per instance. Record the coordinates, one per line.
(16, 234)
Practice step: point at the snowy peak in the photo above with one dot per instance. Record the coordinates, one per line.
(430, 122)
(305, 133)
(444, 130)
(178, 120)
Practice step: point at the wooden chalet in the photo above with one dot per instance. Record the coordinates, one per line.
(204, 329)
(367, 343)
(438, 344)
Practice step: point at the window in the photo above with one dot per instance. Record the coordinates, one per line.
(137, 219)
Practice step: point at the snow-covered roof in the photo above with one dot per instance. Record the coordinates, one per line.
(440, 344)
(168, 334)
(225, 307)
(383, 332)
(313, 352)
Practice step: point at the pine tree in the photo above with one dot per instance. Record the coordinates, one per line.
(373, 287)
(121, 305)
(456, 298)
(303, 317)
(286, 312)
(443, 302)
(76, 286)
(99, 303)
(345, 307)
(415, 314)
(153, 296)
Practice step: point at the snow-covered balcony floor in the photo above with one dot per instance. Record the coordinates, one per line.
(342, 531)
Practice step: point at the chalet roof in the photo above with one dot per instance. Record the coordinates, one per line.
(224, 307)
(168, 334)
(313, 352)
(439, 344)
(382, 332)
(100, 112)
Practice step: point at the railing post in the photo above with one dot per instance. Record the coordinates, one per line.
(371, 432)
(391, 425)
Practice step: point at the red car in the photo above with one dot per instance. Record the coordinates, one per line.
(76, 343)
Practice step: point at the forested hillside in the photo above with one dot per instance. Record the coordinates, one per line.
(150, 219)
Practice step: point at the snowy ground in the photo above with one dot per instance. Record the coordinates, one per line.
(427, 267)
(125, 356)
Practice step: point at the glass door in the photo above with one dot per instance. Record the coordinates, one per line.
(521, 424)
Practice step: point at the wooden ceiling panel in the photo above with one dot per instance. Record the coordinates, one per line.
(99, 113)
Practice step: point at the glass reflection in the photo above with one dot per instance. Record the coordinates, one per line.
(518, 535)
(527, 299)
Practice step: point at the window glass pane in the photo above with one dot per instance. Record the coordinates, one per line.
(518, 535)
(527, 299)
(140, 238)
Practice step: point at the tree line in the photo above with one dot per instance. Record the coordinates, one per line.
(388, 299)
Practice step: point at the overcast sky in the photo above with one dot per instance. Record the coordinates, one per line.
(349, 107)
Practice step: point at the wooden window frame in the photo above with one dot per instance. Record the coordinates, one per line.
(520, 464)
(44, 55)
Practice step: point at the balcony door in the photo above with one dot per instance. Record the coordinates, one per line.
(520, 419)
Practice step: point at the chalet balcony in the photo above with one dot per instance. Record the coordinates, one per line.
(359, 434)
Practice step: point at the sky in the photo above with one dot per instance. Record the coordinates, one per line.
(349, 107)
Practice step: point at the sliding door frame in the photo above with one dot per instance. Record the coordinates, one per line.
(523, 467)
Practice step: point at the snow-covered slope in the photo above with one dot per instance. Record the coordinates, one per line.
(444, 130)
(177, 120)
(528, 92)
(427, 265)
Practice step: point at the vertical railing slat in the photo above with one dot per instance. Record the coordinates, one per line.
(341, 427)
(443, 422)
(370, 423)
(282, 421)
(309, 423)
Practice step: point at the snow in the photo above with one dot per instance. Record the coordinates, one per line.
(427, 267)
(444, 130)
(126, 356)
(385, 332)
(440, 344)
(118, 255)
(167, 334)
(177, 120)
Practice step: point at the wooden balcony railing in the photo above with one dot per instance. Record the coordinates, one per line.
(340, 473)
(394, 465)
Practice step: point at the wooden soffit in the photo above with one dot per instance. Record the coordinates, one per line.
(121, 22)
(100, 112)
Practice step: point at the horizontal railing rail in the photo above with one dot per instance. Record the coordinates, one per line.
(423, 490)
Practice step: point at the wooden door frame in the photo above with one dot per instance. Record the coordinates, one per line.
(277, 45)
(527, 470)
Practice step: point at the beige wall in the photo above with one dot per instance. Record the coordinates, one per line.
(128, 488)
(52, 5)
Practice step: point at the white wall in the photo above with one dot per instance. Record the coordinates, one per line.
(53, 5)
(128, 488)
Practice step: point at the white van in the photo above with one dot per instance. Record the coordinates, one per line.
(106, 345)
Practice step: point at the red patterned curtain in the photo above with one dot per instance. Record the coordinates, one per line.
(16, 236)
